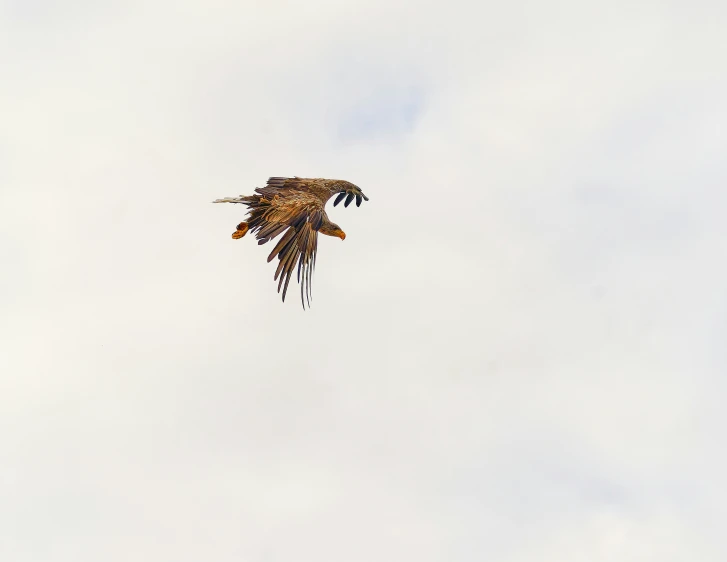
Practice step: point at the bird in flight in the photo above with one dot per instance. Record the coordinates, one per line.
(294, 206)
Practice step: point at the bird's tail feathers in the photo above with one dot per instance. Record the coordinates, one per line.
(241, 199)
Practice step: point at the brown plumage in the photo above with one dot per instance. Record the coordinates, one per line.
(294, 207)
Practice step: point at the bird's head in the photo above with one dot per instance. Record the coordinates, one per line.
(332, 229)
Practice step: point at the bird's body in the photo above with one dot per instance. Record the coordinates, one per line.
(296, 207)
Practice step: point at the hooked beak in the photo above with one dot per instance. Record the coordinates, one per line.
(342, 235)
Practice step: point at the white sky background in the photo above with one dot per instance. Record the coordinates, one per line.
(516, 355)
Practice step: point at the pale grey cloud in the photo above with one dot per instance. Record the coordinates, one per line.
(515, 355)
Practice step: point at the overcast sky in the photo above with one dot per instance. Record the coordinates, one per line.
(516, 355)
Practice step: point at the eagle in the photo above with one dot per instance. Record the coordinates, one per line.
(295, 208)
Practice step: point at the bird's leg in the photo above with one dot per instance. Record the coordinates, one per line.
(241, 231)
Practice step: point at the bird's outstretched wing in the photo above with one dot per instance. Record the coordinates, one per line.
(297, 248)
(347, 189)
(276, 184)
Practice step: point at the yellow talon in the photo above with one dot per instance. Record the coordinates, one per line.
(242, 229)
